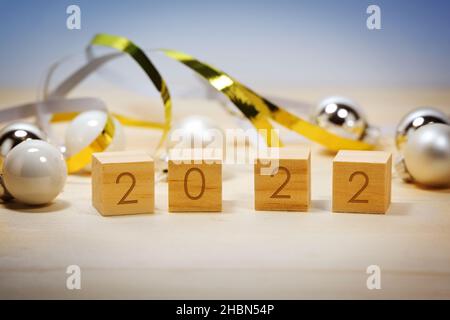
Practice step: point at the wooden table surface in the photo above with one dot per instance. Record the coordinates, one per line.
(238, 253)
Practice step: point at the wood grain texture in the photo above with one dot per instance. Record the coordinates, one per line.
(123, 183)
(240, 253)
(195, 183)
(289, 189)
(362, 181)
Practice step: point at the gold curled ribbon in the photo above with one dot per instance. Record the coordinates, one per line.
(258, 109)
(254, 107)
(78, 161)
(81, 159)
(127, 46)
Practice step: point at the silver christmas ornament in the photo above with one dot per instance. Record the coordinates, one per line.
(426, 156)
(415, 120)
(13, 134)
(344, 118)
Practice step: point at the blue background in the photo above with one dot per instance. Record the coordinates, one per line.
(262, 43)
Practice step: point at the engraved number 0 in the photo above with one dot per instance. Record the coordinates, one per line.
(186, 191)
(133, 183)
(364, 186)
(276, 194)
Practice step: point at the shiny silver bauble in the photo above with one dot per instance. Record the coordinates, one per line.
(415, 120)
(344, 118)
(13, 134)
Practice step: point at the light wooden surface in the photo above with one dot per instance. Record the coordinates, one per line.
(362, 181)
(239, 253)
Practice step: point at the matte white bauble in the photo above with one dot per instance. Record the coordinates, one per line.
(195, 132)
(427, 155)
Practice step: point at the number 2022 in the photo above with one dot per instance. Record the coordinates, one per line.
(275, 195)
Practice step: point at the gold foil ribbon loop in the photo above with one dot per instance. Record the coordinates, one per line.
(258, 109)
(125, 45)
(102, 141)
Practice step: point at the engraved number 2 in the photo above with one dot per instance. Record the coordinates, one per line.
(364, 186)
(276, 194)
(133, 183)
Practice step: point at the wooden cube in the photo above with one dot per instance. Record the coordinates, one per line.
(123, 183)
(195, 182)
(289, 189)
(362, 181)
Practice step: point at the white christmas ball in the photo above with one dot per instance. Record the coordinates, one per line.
(34, 172)
(86, 127)
(195, 131)
(427, 155)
